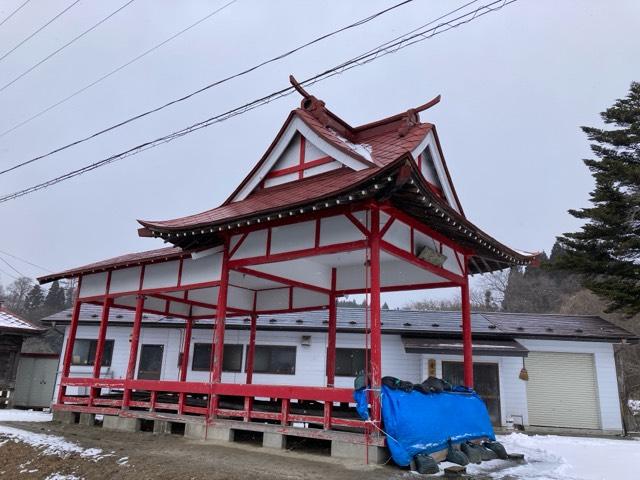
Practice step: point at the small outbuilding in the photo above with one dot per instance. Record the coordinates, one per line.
(13, 330)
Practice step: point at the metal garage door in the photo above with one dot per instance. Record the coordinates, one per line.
(561, 391)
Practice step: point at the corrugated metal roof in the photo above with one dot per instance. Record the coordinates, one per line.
(11, 321)
(405, 322)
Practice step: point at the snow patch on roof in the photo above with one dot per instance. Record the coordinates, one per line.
(8, 320)
(362, 149)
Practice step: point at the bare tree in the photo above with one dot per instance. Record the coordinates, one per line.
(496, 283)
(481, 301)
(16, 294)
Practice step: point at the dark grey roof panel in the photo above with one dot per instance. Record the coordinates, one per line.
(405, 322)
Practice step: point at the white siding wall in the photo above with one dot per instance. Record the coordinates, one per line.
(310, 363)
(310, 360)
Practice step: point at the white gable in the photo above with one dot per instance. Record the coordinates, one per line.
(289, 161)
(432, 168)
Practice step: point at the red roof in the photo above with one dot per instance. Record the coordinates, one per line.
(147, 256)
(381, 138)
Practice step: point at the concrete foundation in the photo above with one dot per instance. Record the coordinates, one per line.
(194, 431)
(198, 431)
(357, 452)
(88, 419)
(273, 440)
(161, 427)
(121, 424)
(64, 417)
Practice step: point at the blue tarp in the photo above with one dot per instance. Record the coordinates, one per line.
(417, 422)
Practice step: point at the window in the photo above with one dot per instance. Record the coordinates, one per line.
(349, 361)
(231, 362)
(84, 352)
(274, 359)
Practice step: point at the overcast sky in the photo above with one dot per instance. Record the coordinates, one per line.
(515, 85)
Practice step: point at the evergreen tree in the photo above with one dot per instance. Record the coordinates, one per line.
(55, 300)
(34, 303)
(606, 251)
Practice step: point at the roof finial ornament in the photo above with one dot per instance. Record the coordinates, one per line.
(411, 117)
(310, 103)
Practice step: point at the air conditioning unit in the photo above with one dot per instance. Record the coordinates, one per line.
(432, 256)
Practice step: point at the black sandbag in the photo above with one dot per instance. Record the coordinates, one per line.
(456, 456)
(418, 387)
(472, 452)
(498, 448)
(426, 464)
(436, 385)
(359, 382)
(487, 454)
(405, 386)
(391, 382)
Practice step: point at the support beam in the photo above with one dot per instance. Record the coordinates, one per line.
(466, 335)
(376, 333)
(184, 364)
(71, 339)
(102, 333)
(133, 349)
(217, 346)
(251, 349)
(331, 347)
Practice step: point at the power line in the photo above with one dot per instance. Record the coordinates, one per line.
(192, 94)
(8, 274)
(365, 58)
(38, 30)
(25, 261)
(12, 267)
(13, 13)
(112, 72)
(69, 43)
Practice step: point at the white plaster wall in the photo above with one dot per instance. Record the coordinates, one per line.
(93, 284)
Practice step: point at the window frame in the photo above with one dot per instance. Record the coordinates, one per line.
(208, 368)
(270, 371)
(107, 352)
(363, 350)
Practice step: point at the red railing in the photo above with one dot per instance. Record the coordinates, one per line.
(284, 394)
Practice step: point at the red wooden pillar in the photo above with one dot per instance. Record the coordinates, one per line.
(376, 338)
(133, 350)
(218, 337)
(251, 349)
(71, 339)
(331, 348)
(102, 333)
(467, 347)
(184, 364)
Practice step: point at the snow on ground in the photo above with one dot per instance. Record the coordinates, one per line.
(48, 444)
(10, 415)
(551, 457)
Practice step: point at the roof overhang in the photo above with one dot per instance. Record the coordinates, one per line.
(451, 346)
